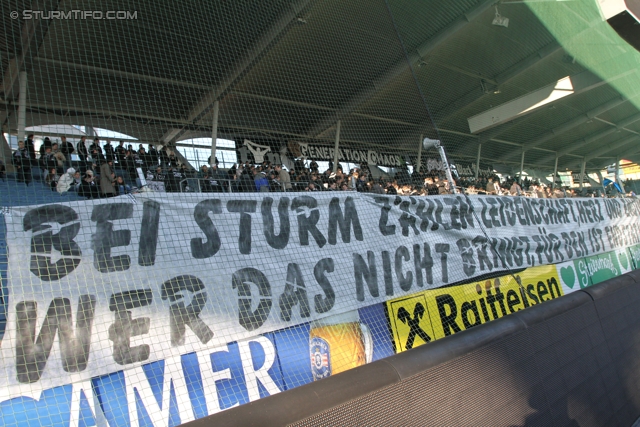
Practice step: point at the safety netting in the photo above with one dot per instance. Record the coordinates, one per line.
(207, 203)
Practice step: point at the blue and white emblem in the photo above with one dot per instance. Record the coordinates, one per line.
(320, 358)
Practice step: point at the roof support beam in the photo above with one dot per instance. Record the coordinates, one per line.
(566, 126)
(506, 76)
(32, 35)
(401, 67)
(253, 55)
(576, 145)
(125, 74)
(448, 112)
(612, 147)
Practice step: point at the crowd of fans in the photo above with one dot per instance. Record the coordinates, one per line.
(105, 171)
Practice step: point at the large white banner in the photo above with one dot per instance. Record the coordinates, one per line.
(100, 286)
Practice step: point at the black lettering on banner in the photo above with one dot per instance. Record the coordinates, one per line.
(281, 240)
(149, 233)
(448, 321)
(386, 269)
(481, 244)
(414, 324)
(407, 219)
(553, 283)
(405, 281)
(466, 252)
(512, 300)
(243, 207)
(36, 221)
(421, 263)
(344, 222)
(181, 316)
(483, 214)
(368, 272)
(464, 313)
(32, 353)
(106, 238)
(200, 249)
(426, 216)
(242, 280)
(443, 250)
(294, 293)
(493, 211)
(324, 304)
(385, 229)
(439, 210)
(125, 327)
(308, 224)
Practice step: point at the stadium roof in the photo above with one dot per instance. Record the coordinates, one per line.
(389, 70)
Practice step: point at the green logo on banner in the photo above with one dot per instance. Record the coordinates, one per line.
(623, 260)
(634, 252)
(602, 267)
(568, 276)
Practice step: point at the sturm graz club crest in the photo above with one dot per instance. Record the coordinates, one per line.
(320, 358)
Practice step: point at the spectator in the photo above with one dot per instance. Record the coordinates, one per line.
(66, 148)
(153, 156)
(95, 146)
(121, 187)
(67, 181)
(141, 159)
(45, 144)
(52, 179)
(261, 182)
(515, 189)
(88, 187)
(492, 187)
(129, 164)
(83, 153)
(61, 160)
(216, 179)
(164, 156)
(172, 160)
(377, 188)
(107, 178)
(246, 183)
(3, 171)
(109, 152)
(96, 155)
(285, 178)
(120, 152)
(47, 162)
(30, 147)
(21, 160)
(172, 180)
(159, 175)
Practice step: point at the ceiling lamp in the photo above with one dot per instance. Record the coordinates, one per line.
(500, 20)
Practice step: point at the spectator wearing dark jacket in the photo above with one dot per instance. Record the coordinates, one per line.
(88, 188)
(120, 153)
(22, 162)
(66, 148)
(31, 148)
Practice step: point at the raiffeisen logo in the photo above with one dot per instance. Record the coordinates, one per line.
(624, 17)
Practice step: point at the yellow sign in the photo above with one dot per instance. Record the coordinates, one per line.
(410, 322)
(441, 312)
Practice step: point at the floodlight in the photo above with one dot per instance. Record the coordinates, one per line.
(500, 20)
(428, 143)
